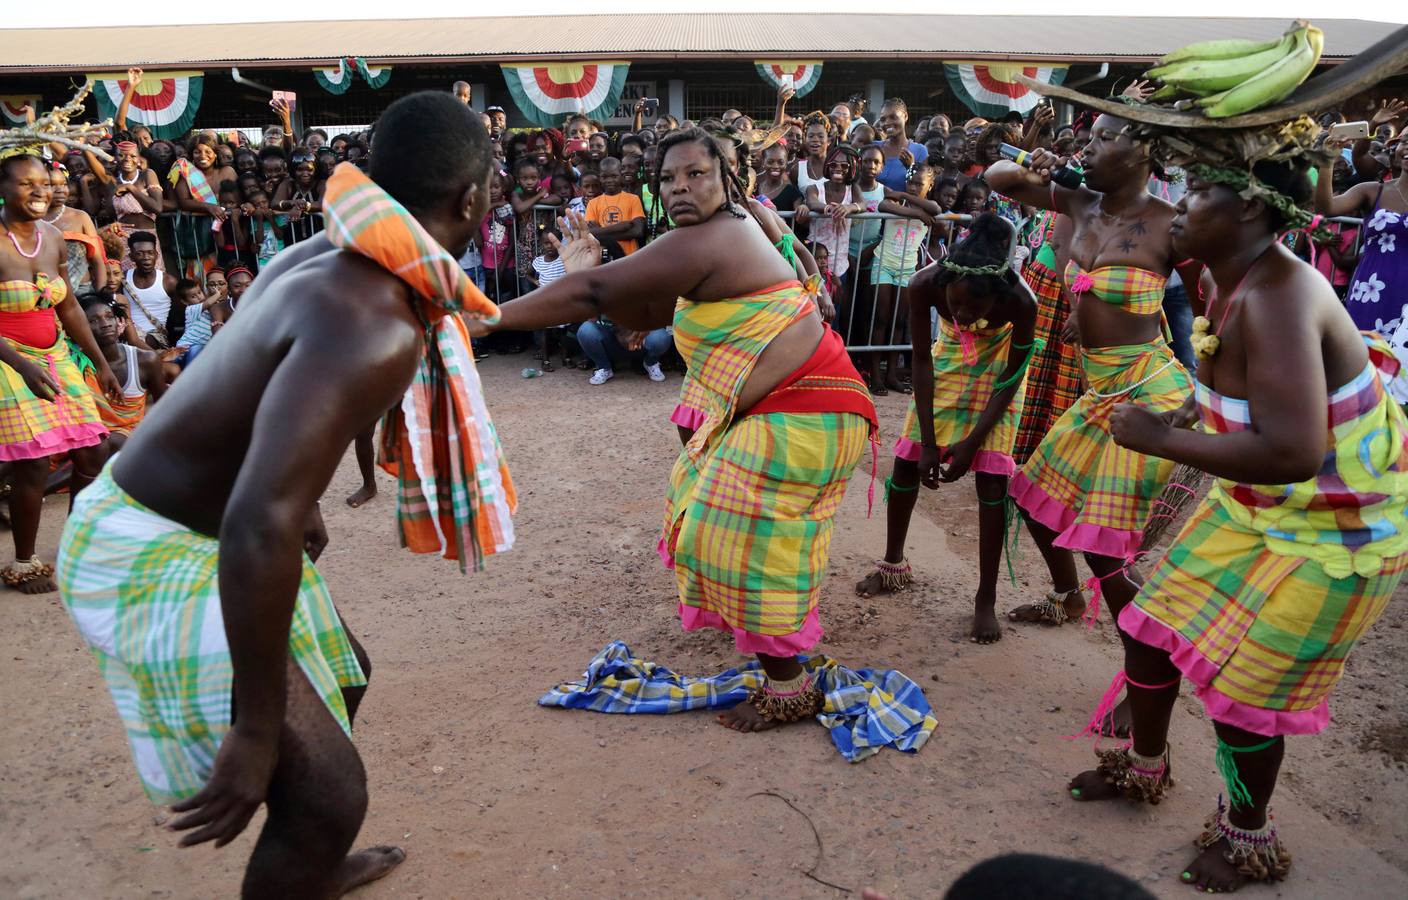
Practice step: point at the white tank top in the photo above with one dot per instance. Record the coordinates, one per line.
(805, 180)
(132, 390)
(154, 300)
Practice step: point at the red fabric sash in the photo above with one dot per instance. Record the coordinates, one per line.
(35, 327)
(826, 382)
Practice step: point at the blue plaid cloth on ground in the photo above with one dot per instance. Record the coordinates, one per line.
(865, 710)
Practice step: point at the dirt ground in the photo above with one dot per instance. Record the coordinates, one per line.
(493, 796)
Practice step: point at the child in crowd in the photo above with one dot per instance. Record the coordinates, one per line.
(945, 194)
(617, 214)
(547, 268)
(267, 242)
(496, 244)
(233, 244)
(835, 199)
(896, 259)
(205, 310)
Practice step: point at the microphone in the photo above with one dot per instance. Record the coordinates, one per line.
(1065, 175)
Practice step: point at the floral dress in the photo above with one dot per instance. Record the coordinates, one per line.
(1378, 295)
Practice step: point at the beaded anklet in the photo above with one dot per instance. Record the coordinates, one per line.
(894, 576)
(1142, 778)
(1257, 853)
(788, 701)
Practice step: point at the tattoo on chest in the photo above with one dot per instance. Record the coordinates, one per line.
(1127, 246)
(1137, 227)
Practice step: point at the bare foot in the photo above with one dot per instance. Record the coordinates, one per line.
(1118, 723)
(1211, 873)
(362, 495)
(1043, 612)
(39, 584)
(985, 627)
(1091, 785)
(745, 718)
(871, 585)
(880, 582)
(367, 865)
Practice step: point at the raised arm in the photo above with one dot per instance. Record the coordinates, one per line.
(1351, 202)
(784, 93)
(638, 292)
(1033, 186)
(134, 78)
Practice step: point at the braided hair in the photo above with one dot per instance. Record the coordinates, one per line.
(735, 195)
(988, 244)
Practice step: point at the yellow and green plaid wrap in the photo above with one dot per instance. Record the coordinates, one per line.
(748, 516)
(963, 388)
(144, 593)
(1264, 637)
(1093, 493)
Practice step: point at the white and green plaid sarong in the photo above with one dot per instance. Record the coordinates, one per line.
(144, 593)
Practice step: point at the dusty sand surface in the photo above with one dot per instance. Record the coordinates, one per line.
(492, 795)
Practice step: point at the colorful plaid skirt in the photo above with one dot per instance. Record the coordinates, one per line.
(752, 539)
(31, 428)
(144, 593)
(1263, 637)
(962, 391)
(1079, 483)
(1054, 377)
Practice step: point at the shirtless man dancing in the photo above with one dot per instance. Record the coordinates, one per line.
(185, 568)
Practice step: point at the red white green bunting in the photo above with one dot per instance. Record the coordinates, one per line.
(990, 90)
(337, 79)
(12, 107)
(548, 94)
(165, 102)
(804, 74)
(376, 77)
(334, 80)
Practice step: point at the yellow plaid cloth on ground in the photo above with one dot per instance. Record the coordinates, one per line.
(962, 391)
(31, 428)
(1093, 493)
(144, 593)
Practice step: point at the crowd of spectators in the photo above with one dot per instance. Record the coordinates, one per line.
(870, 192)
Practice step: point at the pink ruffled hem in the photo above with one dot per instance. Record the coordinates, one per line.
(1198, 669)
(692, 619)
(989, 462)
(666, 558)
(54, 441)
(1083, 537)
(687, 417)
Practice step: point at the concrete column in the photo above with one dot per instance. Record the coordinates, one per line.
(875, 94)
(674, 104)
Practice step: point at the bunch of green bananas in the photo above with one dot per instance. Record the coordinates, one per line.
(1232, 77)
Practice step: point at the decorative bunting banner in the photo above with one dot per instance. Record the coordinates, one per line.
(990, 90)
(548, 94)
(376, 77)
(165, 102)
(804, 74)
(334, 80)
(12, 107)
(337, 79)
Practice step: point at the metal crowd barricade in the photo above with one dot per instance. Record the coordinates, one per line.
(861, 295)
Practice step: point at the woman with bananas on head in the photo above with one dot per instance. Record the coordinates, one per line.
(1303, 538)
(1079, 491)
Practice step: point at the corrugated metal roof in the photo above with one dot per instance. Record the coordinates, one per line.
(636, 37)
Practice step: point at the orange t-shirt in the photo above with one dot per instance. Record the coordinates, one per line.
(610, 209)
